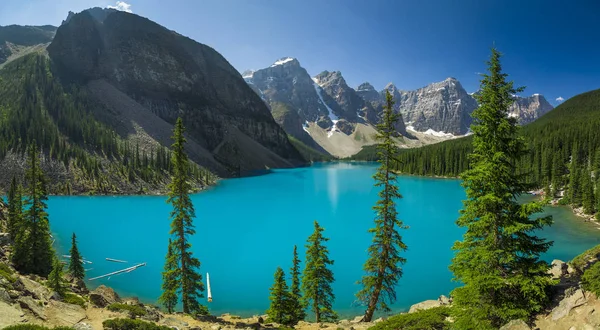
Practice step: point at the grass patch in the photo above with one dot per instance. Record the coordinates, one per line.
(433, 319)
(591, 279)
(7, 273)
(33, 327)
(580, 261)
(129, 324)
(131, 309)
(71, 298)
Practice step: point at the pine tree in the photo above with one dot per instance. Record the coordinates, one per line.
(588, 199)
(575, 186)
(76, 265)
(317, 277)
(170, 283)
(15, 209)
(383, 267)
(190, 280)
(297, 309)
(280, 309)
(498, 258)
(55, 277)
(34, 252)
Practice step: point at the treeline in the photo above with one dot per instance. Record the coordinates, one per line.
(35, 106)
(563, 153)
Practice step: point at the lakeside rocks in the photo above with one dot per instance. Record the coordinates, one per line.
(104, 296)
(558, 269)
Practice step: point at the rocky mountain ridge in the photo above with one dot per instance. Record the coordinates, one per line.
(441, 110)
(17, 39)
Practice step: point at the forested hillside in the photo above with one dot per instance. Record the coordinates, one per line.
(564, 153)
(83, 155)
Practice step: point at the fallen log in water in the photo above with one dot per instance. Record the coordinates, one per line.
(126, 270)
(116, 260)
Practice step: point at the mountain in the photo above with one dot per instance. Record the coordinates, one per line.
(564, 146)
(16, 39)
(323, 111)
(528, 109)
(444, 108)
(112, 86)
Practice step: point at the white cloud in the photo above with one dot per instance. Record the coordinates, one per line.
(559, 99)
(122, 6)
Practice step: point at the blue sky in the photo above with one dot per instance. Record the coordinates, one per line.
(552, 47)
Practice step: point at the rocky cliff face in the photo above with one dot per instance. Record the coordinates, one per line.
(169, 75)
(444, 108)
(528, 109)
(16, 38)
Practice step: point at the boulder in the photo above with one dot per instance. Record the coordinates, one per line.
(82, 326)
(515, 325)
(13, 294)
(427, 304)
(9, 315)
(173, 322)
(33, 306)
(444, 300)
(104, 296)
(558, 269)
(34, 289)
(4, 296)
(64, 314)
(78, 286)
(569, 302)
(152, 314)
(358, 319)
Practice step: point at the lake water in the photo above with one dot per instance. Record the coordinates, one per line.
(247, 227)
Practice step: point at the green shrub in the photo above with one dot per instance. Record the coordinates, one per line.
(131, 309)
(34, 327)
(580, 261)
(74, 299)
(432, 319)
(7, 273)
(591, 279)
(129, 324)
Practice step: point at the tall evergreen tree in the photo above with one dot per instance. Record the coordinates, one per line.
(383, 267)
(297, 309)
(190, 280)
(34, 252)
(76, 265)
(170, 283)
(588, 199)
(575, 187)
(15, 208)
(317, 277)
(55, 277)
(280, 309)
(498, 258)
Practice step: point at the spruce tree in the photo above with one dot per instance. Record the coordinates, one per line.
(297, 309)
(575, 186)
(76, 264)
(15, 209)
(588, 199)
(34, 252)
(383, 266)
(170, 282)
(190, 280)
(498, 258)
(55, 281)
(317, 277)
(280, 309)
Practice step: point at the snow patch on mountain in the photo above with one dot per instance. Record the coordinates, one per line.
(332, 116)
(282, 61)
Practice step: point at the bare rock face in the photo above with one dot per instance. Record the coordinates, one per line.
(15, 37)
(65, 314)
(33, 288)
(33, 306)
(427, 304)
(515, 325)
(104, 296)
(172, 76)
(558, 269)
(570, 301)
(528, 109)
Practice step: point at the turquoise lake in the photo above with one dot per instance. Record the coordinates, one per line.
(247, 227)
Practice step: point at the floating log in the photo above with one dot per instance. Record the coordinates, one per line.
(126, 270)
(82, 260)
(208, 286)
(116, 260)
